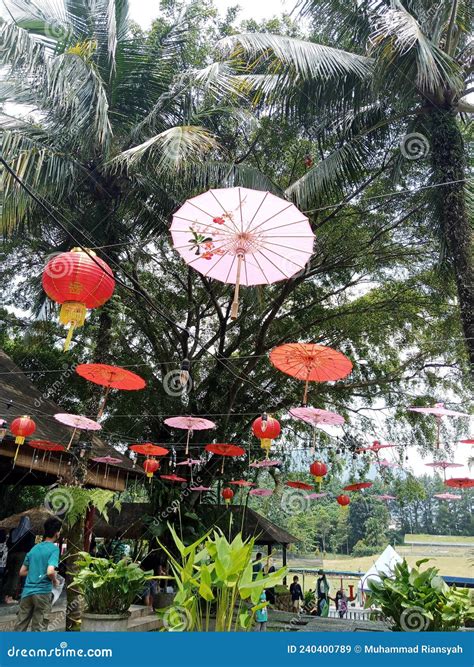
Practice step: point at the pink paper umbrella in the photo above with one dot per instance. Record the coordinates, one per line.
(447, 496)
(438, 411)
(77, 422)
(242, 237)
(444, 465)
(387, 464)
(109, 460)
(267, 463)
(385, 496)
(315, 496)
(317, 418)
(190, 463)
(189, 424)
(260, 492)
(200, 489)
(376, 446)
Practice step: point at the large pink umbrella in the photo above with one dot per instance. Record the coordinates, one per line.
(242, 237)
(266, 463)
(444, 465)
(189, 424)
(77, 422)
(438, 411)
(447, 496)
(260, 492)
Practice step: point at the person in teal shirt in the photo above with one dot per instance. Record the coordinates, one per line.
(261, 615)
(39, 568)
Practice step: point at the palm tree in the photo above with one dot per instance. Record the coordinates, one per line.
(403, 84)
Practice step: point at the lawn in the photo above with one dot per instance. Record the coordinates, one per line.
(440, 539)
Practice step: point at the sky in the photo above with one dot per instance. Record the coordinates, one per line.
(144, 11)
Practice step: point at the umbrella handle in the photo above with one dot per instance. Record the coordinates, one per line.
(103, 402)
(187, 442)
(72, 438)
(305, 396)
(235, 304)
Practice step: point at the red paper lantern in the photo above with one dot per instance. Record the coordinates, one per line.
(343, 500)
(227, 494)
(77, 280)
(266, 428)
(150, 466)
(22, 427)
(318, 470)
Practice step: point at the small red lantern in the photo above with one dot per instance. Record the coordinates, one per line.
(343, 500)
(227, 494)
(77, 280)
(266, 428)
(22, 427)
(308, 160)
(150, 466)
(318, 470)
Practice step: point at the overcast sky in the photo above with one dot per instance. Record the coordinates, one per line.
(144, 11)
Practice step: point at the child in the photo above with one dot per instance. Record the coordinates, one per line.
(341, 603)
(296, 594)
(261, 616)
(39, 568)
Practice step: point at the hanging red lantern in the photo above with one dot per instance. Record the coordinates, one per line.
(266, 428)
(77, 280)
(343, 501)
(227, 494)
(318, 470)
(150, 466)
(22, 427)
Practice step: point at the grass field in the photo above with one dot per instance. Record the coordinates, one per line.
(440, 539)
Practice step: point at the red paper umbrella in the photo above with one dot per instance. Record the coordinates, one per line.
(242, 482)
(299, 485)
(311, 363)
(357, 487)
(261, 492)
(447, 496)
(47, 446)
(469, 441)
(110, 377)
(147, 449)
(225, 450)
(77, 280)
(173, 478)
(460, 482)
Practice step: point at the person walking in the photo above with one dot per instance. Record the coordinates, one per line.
(261, 615)
(322, 590)
(341, 603)
(39, 568)
(20, 541)
(296, 593)
(270, 592)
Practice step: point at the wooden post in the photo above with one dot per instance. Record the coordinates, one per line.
(284, 561)
(88, 527)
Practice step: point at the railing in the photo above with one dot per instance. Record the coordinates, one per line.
(356, 614)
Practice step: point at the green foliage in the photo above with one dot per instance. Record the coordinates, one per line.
(108, 587)
(215, 578)
(420, 600)
(80, 499)
(361, 548)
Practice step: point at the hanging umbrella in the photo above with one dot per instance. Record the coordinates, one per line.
(46, 446)
(438, 411)
(242, 482)
(173, 478)
(469, 441)
(225, 450)
(385, 496)
(447, 496)
(110, 377)
(311, 363)
(108, 460)
(316, 496)
(460, 482)
(260, 492)
(387, 464)
(200, 489)
(189, 462)
(189, 424)
(376, 446)
(148, 449)
(358, 487)
(242, 237)
(444, 465)
(267, 463)
(316, 417)
(77, 422)
(296, 484)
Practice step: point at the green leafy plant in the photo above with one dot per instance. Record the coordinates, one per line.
(108, 587)
(216, 588)
(415, 600)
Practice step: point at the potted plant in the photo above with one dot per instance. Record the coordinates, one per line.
(414, 600)
(108, 589)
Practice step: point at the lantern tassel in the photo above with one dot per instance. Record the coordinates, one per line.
(68, 340)
(234, 311)
(16, 453)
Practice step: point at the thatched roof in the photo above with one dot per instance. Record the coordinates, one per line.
(37, 515)
(23, 397)
(129, 523)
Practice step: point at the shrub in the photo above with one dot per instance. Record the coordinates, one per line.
(362, 549)
(415, 600)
